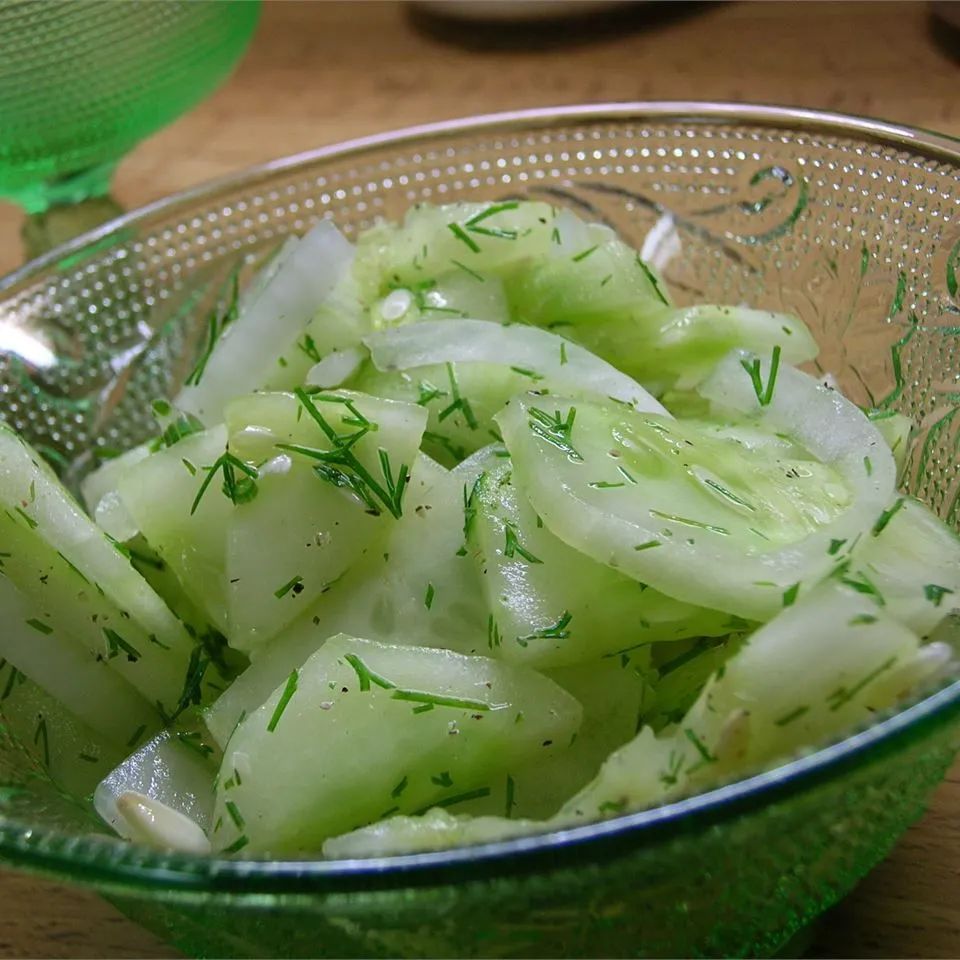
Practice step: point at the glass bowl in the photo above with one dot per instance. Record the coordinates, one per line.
(852, 224)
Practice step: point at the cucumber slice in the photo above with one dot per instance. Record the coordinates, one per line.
(336, 481)
(419, 588)
(73, 755)
(475, 719)
(464, 371)
(535, 356)
(161, 493)
(175, 769)
(607, 298)
(337, 325)
(64, 565)
(679, 671)
(710, 521)
(552, 605)
(820, 668)
(612, 695)
(104, 480)
(245, 357)
(909, 564)
(463, 293)
(435, 830)
(40, 642)
(433, 241)
(896, 429)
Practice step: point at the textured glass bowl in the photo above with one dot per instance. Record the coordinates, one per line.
(852, 224)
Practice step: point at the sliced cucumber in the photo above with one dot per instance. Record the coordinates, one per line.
(104, 480)
(401, 727)
(188, 534)
(612, 696)
(419, 588)
(337, 326)
(909, 564)
(39, 640)
(476, 239)
(336, 481)
(435, 830)
(463, 371)
(245, 357)
(552, 605)
(461, 293)
(74, 755)
(820, 668)
(64, 565)
(709, 520)
(607, 298)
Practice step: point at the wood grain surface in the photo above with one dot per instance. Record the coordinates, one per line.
(317, 73)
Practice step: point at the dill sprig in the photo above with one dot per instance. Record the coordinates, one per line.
(288, 691)
(291, 584)
(366, 676)
(192, 740)
(764, 393)
(887, 516)
(216, 325)
(470, 505)
(184, 426)
(473, 226)
(459, 402)
(687, 521)
(789, 718)
(556, 430)
(790, 595)
(842, 695)
(237, 490)
(556, 631)
(335, 463)
(116, 643)
(652, 277)
(193, 677)
(935, 593)
(513, 546)
(494, 637)
(440, 700)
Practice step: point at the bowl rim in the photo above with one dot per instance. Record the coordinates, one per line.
(109, 863)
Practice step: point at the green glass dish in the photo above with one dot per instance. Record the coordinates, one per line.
(852, 224)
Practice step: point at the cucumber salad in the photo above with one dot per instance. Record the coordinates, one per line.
(462, 532)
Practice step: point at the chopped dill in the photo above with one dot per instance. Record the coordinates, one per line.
(556, 430)
(366, 676)
(556, 631)
(513, 546)
(289, 690)
(764, 393)
(292, 584)
(886, 517)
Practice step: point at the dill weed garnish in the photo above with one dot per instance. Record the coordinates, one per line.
(556, 430)
(459, 402)
(341, 467)
(513, 546)
(238, 490)
(217, 323)
(764, 392)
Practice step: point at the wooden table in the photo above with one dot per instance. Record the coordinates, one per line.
(318, 73)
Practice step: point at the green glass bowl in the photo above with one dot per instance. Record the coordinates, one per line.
(852, 224)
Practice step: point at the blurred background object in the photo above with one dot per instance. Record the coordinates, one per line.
(506, 11)
(82, 81)
(948, 11)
